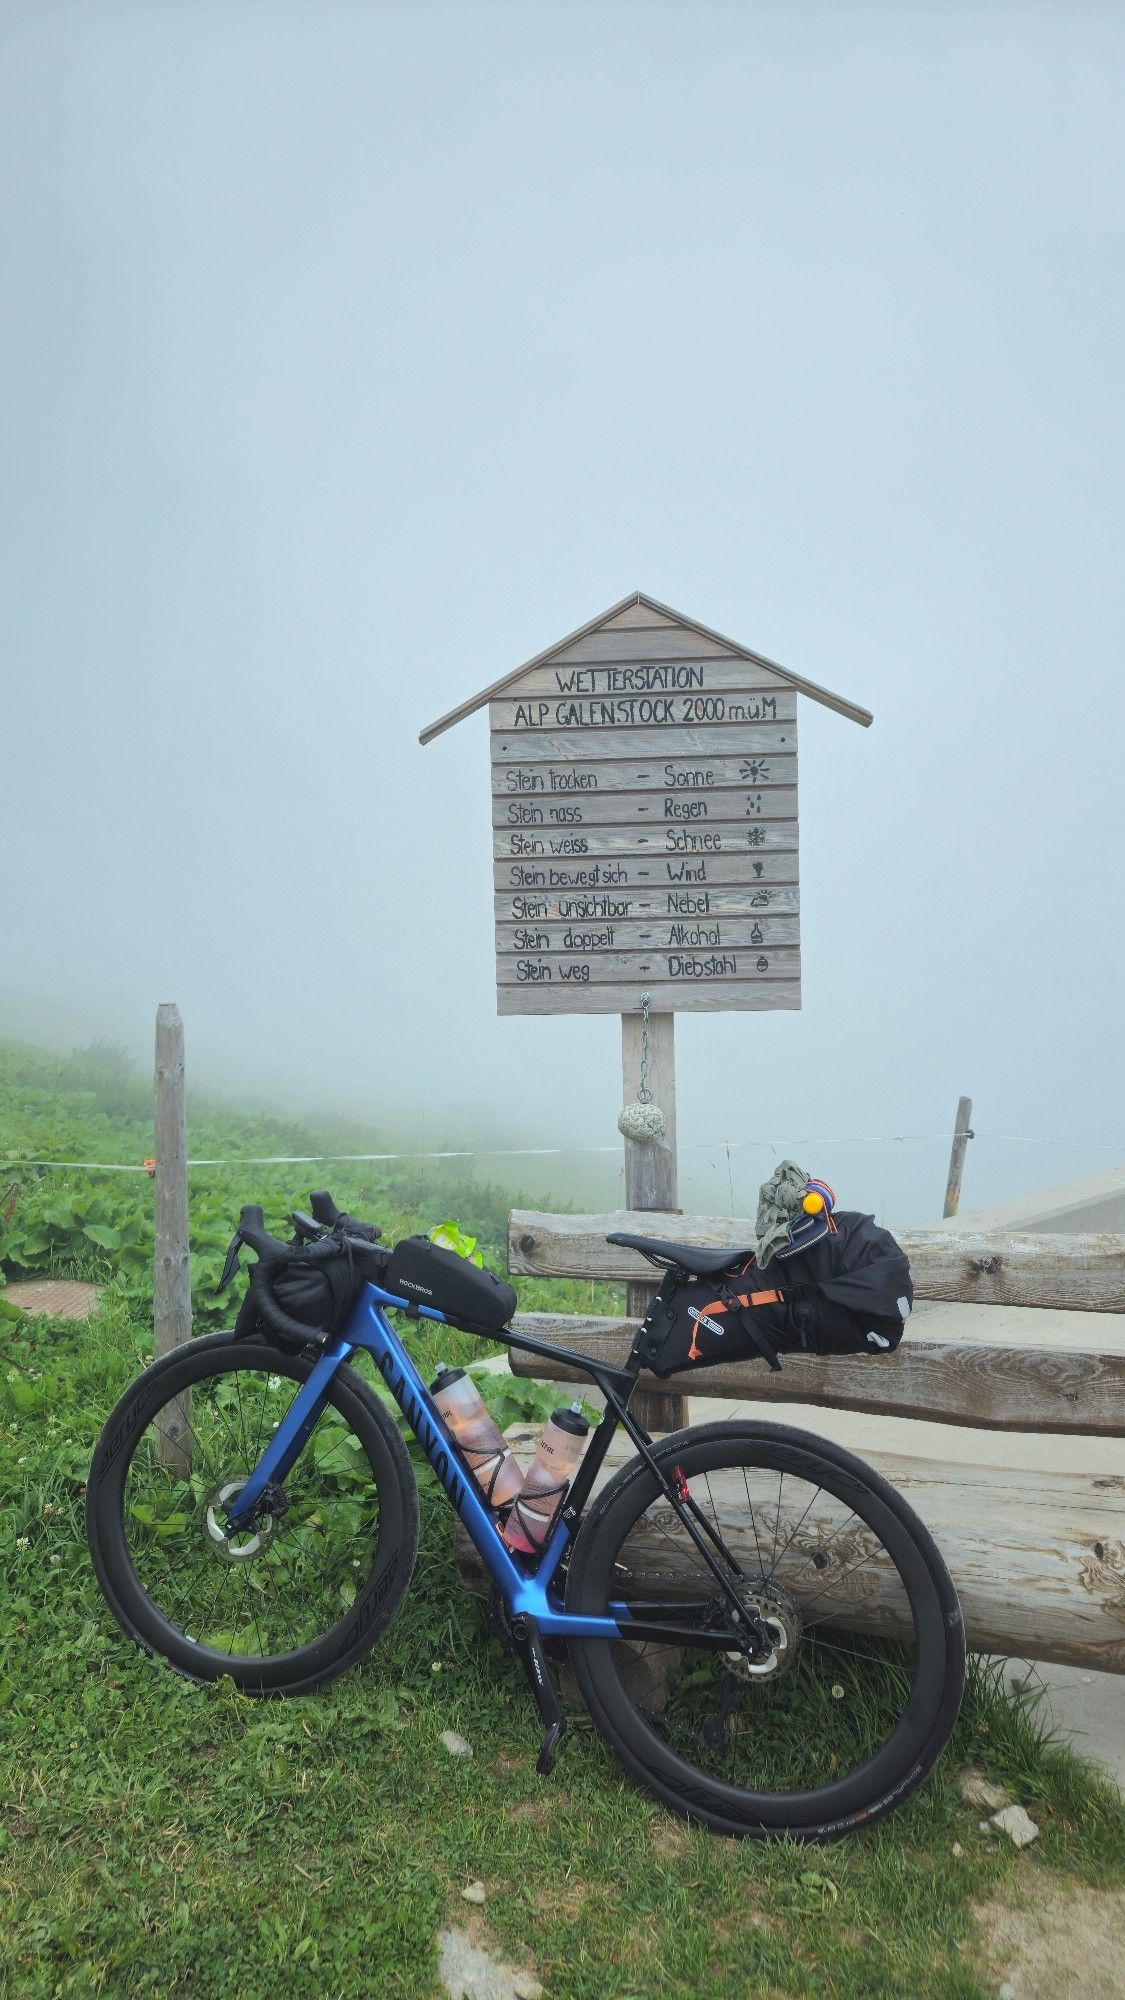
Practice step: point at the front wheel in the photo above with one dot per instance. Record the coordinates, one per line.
(842, 1715)
(305, 1589)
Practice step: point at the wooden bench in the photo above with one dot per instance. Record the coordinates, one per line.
(1010, 1333)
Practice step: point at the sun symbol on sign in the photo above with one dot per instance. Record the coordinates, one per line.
(755, 770)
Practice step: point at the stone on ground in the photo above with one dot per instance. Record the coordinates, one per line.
(457, 1746)
(977, 1790)
(1017, 1824)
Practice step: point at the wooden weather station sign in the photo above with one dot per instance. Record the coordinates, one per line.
(644, 820)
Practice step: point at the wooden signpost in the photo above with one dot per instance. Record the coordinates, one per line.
(644, 837)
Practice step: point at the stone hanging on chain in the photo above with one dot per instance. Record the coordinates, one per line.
(643, 1121)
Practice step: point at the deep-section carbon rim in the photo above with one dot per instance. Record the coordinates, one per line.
(303, 1589)
(860, 1692)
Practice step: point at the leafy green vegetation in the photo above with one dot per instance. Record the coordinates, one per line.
(166, 1840)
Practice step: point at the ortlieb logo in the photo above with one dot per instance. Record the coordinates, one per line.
(712, 1325)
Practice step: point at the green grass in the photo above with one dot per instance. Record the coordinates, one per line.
(163, 1839)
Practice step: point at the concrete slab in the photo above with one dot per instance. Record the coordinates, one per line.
(58, 1298)
(1087, 1709)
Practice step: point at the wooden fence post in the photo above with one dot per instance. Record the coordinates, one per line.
(650, 1178)
(962, 1133)
(171, 1271)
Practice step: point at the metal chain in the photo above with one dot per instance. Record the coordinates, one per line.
(644, 1094)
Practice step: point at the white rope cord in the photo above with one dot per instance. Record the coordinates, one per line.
(563, 1152)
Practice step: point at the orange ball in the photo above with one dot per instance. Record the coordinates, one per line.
(813, 1203)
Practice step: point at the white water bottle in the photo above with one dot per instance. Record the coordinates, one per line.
(477, 1436)
(561, 1444)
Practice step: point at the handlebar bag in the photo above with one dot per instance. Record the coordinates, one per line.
(320, 1294)
(425, 1275)
(848, 1293)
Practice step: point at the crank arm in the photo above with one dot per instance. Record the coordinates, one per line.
(529, 1647)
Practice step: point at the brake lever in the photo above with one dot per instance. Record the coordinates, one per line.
(230, 1267)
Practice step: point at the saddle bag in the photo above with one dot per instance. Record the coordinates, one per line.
(848, 1293)
(425, 1275)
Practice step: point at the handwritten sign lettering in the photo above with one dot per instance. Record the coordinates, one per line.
(644, 828)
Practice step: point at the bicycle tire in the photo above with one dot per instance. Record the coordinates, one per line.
(377, 1596)
(637, 1736)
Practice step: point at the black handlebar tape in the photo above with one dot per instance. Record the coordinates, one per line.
(275, 1315)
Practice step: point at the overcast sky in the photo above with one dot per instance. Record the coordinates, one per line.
(353, 353)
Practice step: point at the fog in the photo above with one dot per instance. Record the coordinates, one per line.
(353, 354)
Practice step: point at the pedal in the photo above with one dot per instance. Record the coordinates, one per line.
(529, 1647)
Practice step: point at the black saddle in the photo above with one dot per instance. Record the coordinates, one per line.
(693, 1257)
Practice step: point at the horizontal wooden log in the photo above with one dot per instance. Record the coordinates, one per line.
(986, 1386)
(700, 745)
(697, 874)
(1038, 1558)
(1079, 1273)
(728, 996)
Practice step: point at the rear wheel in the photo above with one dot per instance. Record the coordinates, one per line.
(856, 1696)
(307, 1587)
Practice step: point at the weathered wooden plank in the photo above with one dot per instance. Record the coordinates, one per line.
(984, 1385)
(699, 744)
(580, 712)
(1083, 1273)
(686, 777)
(697, 875)
(717, 641)
(690, 997)
(171, 1261)
(961, 1136)
(775, 826)
(640, 675)
(1036, 1557)
(663, 643)
(622, 968)
(634, 905)
(640, 617)
(659, 806)
(648, 935)
(648, 1061)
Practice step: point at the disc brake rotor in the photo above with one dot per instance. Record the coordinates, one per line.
(780, 1615)
(238, 1544)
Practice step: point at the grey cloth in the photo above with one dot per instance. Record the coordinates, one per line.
(779, 1200)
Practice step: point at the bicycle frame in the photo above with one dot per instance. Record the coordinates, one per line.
(527, 1594)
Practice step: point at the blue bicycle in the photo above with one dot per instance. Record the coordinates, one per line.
(761, 1628)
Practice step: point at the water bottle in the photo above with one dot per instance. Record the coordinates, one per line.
(476, 1436)
(561, 1445)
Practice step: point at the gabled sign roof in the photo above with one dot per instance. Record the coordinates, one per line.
(663, 613)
